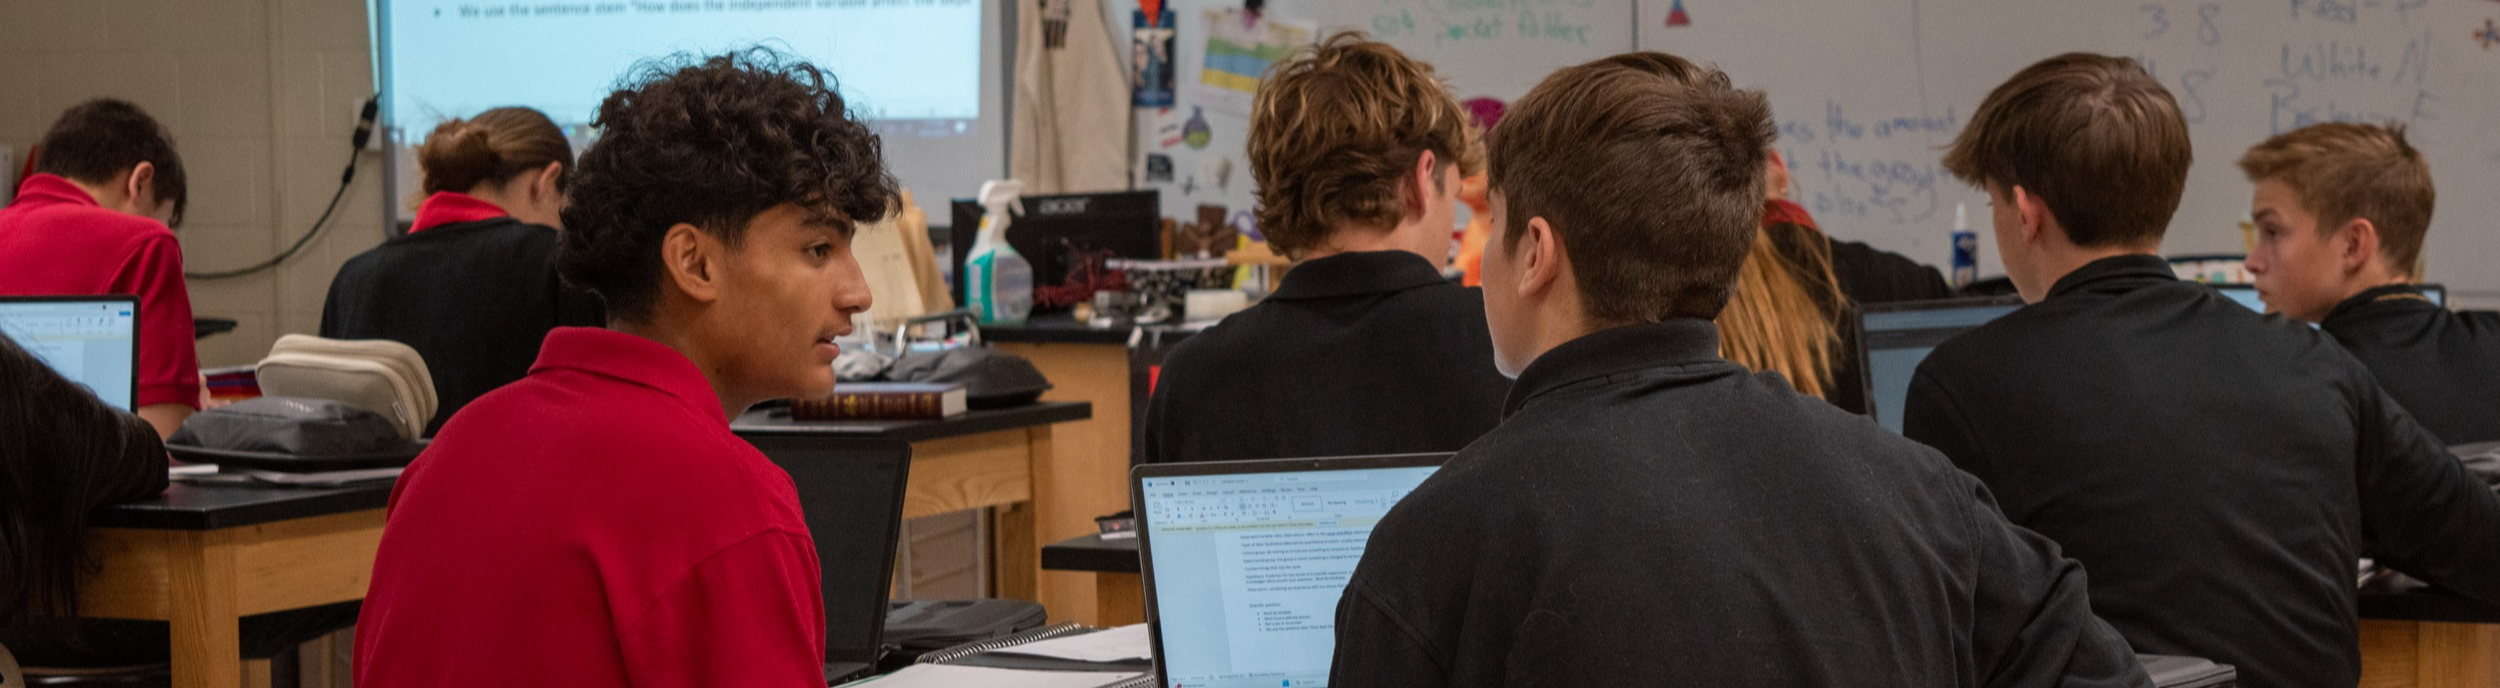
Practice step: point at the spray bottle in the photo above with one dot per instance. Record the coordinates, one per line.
(1965, 248)
(998, 283)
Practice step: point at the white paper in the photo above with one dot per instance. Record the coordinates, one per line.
(946, 676)
(1112, 645)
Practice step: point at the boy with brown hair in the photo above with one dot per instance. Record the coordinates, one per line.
(1649, 512)
(2341, 212)
(97, 217)
(2218, 471)
(1365, 348)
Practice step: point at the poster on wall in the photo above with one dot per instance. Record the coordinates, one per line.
(1240, 47)
(1150, 57)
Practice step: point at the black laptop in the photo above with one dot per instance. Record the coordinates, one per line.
(851, 491)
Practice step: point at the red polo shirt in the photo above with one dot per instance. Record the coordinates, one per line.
(594, 524)
(56, 241)
(445, 207)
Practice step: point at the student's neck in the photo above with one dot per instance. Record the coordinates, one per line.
(694, 351)
(104, 195)
(2373, 279)
(1563, 322)
(490, 194)
(1362, 239)
(2059, 263)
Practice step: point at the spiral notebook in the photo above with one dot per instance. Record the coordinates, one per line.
(987, 663)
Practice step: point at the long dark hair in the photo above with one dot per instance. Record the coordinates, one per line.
(60, 448)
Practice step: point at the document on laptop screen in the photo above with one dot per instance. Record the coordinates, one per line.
(1249, 568)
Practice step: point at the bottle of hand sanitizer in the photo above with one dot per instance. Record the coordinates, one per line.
(998, 282)
(1965, 248)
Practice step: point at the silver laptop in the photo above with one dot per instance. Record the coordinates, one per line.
(1245, 560)
(92, 340)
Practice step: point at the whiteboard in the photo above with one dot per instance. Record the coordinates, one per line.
(1493, 48)
(1869, 92)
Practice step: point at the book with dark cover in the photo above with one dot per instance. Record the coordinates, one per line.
(883, 401)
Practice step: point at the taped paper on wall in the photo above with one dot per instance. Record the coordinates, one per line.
(1240, 47)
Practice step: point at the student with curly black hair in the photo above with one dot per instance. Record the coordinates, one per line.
(596, 523)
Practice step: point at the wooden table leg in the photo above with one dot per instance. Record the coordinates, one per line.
(2456, 655)
(1015, 558)
(207, 636)
(1119, 599)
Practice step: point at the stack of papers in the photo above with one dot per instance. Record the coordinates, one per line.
(945, 676)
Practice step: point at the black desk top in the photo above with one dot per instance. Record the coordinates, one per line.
(1092, 553)
(2405, 599)
(778, 422)
(187, 506)
(211, 506)
(1061, 328)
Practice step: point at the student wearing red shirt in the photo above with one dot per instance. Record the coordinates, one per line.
(596, 523)
(96, 218)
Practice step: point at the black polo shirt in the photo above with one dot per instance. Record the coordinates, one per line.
(1651, 514)
(474, 298)
(1356, 353)
(2442, 366)
(2219, 471)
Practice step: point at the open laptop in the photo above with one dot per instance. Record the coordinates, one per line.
(851, 492)
(2246, 295)
(1895, 337)
(92, 340)
(1245, 560)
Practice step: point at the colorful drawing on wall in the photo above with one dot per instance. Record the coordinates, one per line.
(1240, 46)
(1196, 133)
(1677, 17)
(2489, 34)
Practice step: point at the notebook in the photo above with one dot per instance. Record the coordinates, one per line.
(1898, 336)
(92, 340)
(1245, 560)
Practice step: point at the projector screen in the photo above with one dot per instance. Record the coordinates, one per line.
(925, 73)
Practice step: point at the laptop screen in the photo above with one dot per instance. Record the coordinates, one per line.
(1244, 564)
(2244, 295)
(93, 341)
(1899, 336)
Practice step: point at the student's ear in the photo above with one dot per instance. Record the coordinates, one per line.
(1775, 180)
(140, 187)
(689, 255)
(1427, 184)
(2033, 211)
(2358, 241)
(1540, 257)
(544, 186)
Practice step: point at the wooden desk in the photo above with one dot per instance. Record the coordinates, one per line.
(2412, 635)
(201, 557)
(1090, 477)
(1119, 590)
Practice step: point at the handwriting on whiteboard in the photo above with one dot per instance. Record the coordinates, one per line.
(1447, 22)
(1837, 176)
